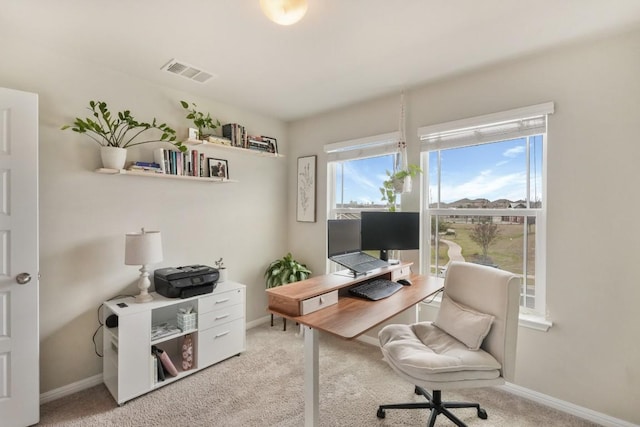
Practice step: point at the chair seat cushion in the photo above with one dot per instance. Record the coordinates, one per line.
(425, 352)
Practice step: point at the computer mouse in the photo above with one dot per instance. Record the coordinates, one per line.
(404, 282)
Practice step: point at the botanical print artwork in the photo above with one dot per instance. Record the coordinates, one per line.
(306, 189)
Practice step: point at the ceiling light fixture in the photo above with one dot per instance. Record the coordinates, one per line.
(284, 12)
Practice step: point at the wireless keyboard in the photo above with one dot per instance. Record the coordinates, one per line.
(375, 289)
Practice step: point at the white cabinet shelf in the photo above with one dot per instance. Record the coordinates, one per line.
(219, 333)
(215, 145)
(163, 175)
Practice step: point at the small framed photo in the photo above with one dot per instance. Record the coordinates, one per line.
(193, 134)
(218, 168)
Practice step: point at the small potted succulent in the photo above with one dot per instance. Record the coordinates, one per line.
(115, 133)
(222, 270)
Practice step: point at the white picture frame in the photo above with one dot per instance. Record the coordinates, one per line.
(306, 189)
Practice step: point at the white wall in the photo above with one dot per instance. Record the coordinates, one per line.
(590, 356)
(84, 216)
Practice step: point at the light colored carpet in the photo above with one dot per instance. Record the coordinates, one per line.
(264, 387)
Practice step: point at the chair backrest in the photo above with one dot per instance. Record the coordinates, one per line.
(492, 291)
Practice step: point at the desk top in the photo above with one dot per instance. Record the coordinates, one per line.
(352, 316)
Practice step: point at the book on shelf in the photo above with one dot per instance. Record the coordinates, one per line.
(236, 134)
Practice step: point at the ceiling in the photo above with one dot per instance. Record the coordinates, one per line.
(341, 52)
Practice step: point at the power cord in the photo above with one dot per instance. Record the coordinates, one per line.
(433, 296)
(101, 325)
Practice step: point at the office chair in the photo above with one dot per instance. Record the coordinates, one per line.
(471, 343)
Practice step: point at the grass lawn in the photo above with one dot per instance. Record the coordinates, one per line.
(505, 251)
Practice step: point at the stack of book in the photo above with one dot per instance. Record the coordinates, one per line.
(236, 134)
(262, 143)
(146, 167)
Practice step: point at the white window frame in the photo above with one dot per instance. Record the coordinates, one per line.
(495, 127)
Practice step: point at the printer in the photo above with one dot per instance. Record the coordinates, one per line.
(187, 281)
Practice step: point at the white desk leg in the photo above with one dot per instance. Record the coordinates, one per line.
(311, 387)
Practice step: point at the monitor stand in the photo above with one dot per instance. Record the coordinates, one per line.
(384, 256)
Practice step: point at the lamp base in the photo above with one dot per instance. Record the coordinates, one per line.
(143, 298)
(143, 285)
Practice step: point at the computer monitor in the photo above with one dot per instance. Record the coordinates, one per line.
(343, 236)
(385, 231)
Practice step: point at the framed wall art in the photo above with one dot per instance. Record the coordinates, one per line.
(306, 208)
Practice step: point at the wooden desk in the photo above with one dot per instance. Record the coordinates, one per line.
(348, 318)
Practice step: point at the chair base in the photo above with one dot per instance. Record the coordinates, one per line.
(437, 407)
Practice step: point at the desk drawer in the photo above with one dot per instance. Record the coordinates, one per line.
(402, 273)
(316, 303)
(219, 343)
(220, 316)
(221, 300)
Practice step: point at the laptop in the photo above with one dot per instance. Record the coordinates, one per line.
(343, 244)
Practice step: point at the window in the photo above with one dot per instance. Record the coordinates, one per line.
(356, 170)
(485, 195)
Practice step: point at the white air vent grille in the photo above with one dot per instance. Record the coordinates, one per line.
(187, 71)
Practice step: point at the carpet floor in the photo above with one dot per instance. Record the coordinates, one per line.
(264, 387)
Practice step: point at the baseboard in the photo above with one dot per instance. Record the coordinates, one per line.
(567, 407)
(68, 389)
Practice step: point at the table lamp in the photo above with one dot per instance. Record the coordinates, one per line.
(143, 248)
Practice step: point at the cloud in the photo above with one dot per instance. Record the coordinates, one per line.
(485, 185)
(514, 152)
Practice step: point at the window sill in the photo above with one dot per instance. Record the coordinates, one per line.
(531, 321)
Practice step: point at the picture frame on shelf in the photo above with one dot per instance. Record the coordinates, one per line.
(193, 134)
(218, 168)
(306, 189)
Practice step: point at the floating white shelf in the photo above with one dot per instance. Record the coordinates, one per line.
(163, 175)
(231, 148)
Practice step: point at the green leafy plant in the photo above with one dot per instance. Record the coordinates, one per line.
(119, 130)
(285, 270)
(199, 119)
(393, 185)
(219, 264)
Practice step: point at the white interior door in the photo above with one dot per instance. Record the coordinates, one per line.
(19, 332)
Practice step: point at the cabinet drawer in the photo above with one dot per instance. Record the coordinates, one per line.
(217, 301)
(401, 273)
(316, 303)
(220, 316)
(221, 342)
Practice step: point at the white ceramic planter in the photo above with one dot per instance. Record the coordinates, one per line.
(113, 157)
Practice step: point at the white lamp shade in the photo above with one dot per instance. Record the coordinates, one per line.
(143, 248)
(284, 12)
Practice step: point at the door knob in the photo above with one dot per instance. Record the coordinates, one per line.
(23, 278)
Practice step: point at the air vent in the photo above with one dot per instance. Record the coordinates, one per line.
(187, 71)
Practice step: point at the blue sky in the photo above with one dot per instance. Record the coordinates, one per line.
(496, 171)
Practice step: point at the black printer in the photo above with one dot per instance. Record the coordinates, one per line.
(187, 281)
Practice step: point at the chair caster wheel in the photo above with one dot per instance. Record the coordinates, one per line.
(380, 413)
(416, 391)
(482, 414)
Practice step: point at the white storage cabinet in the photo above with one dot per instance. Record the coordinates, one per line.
(219, 333)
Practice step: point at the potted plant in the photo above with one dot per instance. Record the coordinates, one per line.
(285, 270)
(116, 133)
(395, 183)
(199, 119)
(222, 270)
